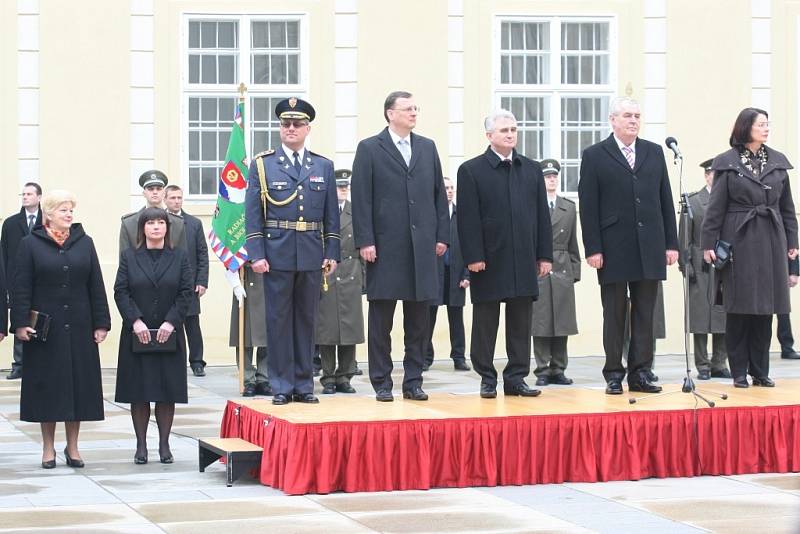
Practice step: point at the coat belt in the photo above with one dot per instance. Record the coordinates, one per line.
(754, 210)
(299, 226)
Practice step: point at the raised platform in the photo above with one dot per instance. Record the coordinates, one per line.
(575, 434)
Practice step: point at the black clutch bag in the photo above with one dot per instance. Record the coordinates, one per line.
(40, 322)
(724, 252)
(170, 345)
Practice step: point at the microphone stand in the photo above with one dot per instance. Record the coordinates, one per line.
(688, 383)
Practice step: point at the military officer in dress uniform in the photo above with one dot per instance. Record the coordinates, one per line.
(340, 321)
(705, 316)
(292, 236)
(153, 183)
(554, 316)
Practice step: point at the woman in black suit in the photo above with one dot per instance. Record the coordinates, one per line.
(152, 291)
(57, 273)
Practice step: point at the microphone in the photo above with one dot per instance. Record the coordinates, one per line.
(672, 144)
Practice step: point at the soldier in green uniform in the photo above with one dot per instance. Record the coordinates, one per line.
(153, 183)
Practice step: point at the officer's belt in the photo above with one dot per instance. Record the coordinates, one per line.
(299, 226)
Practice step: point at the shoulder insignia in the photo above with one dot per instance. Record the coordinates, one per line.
(265, 153)
(129, 215)
(693, 194)
(568, 200)
(318, 155)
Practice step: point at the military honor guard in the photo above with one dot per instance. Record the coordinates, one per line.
(293, 237)
(706, 316)
(507, 243)
(554, 316)
(250, 296)
(453, 283)
(340, 321)
(153, 183)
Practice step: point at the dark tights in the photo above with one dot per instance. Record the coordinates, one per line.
(165, 414)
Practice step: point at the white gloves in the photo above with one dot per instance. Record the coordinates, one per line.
(236, 285)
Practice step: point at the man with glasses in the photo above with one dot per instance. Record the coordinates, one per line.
(292, 216)
(401, 225)
(14, 229)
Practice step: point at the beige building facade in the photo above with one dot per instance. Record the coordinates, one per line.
(94, 92)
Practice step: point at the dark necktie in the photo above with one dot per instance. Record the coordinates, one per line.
(31, 221)
(296, 157)
(552, 206)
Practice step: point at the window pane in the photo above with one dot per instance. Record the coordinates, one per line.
(259, 37)
(569, 178)
(601, 70)
(224, 139)
(516, 36)
(209, 69)
(569, 69)
(194, 181)
(208, 146)
(227, 34)
(260, 141)
(532, 37)
(294, 69)
(601, 36)
(225, 110)
(587, 36)
(277, 34)
(278, 69)
(194, 109)
(274, 138)
(260, 72)
(209, 180)
(505, 63)
(194, 68)
(517, 69)
(208, 110)
(293, 34)
(194, 34)
(260, 109)
(194, 146)
(227, 69)
(209, 34)
(505, 39)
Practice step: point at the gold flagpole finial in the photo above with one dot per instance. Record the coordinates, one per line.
(242, 90)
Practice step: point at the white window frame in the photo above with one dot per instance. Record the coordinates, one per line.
(188, 90)
(555, 89)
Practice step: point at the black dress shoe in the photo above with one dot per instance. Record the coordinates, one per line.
(358, 372)
(384, 395)
(614, 387)
(426, 366)
(263, 388)
(521, 390)
(488, 392)
(560, 379)
(721, 373)
(651, 376)
(790, 355)
(73, 462)
(542, 380)
(329, 389)
(416, 394)
(741, 382)
(198, 370)
(307, 398)
(345, 388)
(764, 381)
(704, 374)
(644, 387)
(249, 390)
(16, 374)
(280, 399)
(461, 365)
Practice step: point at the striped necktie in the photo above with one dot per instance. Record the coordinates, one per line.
(628, 151)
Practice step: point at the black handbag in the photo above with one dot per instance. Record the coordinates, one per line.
(170, 345)
(724, 252)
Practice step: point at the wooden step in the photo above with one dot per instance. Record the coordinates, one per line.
(240, 456)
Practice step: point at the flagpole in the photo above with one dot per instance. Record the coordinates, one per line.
(242, 89)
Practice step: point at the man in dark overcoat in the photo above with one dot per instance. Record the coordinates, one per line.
(340, 322)
(554, 315)
(14, 229)
(197, 253)
(453, 281)
(400, 226)
(507, 242)
(3, 300)
(629, 236)
(293, 237)
(706, 316)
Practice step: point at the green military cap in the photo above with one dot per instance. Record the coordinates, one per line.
(550, 166)
(153, 177)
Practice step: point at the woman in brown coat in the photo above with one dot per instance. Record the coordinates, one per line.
(751, 208)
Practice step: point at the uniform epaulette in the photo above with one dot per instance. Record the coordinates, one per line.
(131, 214)
(265, 153)
(693, 194)
(318, 155)
(568, 200)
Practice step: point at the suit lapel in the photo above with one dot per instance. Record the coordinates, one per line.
(167, 257)
(307, 167)
(346, 217)
(610, 145)
(558, 211)
(388, 145)
(641, 155)
(144, 264)
(415, 150)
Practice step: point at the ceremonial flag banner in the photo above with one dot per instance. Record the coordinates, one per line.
(227, 234)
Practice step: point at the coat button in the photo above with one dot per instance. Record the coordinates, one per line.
(66, 326)
(301, 208)
(300, 218)
(635, 177)
(299, 187)
(63, 285)
(61, 251)
(338, 279)
(269, 235)
(413, 226)
(411, 202)
(638, 200)
(300, 197)
(65, 268)
(640, 223)
(66, 306)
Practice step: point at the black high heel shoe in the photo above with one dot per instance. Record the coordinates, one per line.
(140, 460)
(50, 464)
(168, 459)
(72, 462)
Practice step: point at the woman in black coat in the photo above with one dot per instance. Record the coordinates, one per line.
(57, 273)
(751, 208)
(152, 291)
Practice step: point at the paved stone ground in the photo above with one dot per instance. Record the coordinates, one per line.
(113, 495)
